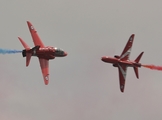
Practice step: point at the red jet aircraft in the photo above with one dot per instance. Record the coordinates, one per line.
(44, 53)
(122, 62)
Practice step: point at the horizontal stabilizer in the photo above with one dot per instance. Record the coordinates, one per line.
(28, 57)
(26, 52)
(137, 61)
(136, 71)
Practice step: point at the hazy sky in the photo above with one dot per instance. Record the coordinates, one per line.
(81, 86)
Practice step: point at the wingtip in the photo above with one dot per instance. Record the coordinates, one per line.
(29, 23)
(19, 38)
(46, 80)
(122, 88)
(133, 35)
(122, 91)
(46, 83)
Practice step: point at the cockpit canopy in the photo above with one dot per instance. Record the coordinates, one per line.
(59, 52)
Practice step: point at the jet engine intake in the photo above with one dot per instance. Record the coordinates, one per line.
(117, 56)
(115, 65)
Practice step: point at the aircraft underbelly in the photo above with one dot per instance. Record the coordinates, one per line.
(111, 60)
(129, 64)
(45, 55)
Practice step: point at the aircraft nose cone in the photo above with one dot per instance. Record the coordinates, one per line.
(65, 53)
(103, 58)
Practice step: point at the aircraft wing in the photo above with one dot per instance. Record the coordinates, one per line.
(127, 50)
(122, 76)
(44, 64)
(36, 39)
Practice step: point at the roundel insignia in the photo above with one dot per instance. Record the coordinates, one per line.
(46, 77)
(131, 39)
(32, 27)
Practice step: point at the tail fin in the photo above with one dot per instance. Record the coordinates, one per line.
(137, 61)
(26, 51)
(139, 57)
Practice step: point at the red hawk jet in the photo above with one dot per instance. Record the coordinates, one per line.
(122, 62)
(44, 53)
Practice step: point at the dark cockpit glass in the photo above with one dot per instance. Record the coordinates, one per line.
(59, 52)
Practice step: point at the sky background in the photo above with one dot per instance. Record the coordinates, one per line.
(81, 86)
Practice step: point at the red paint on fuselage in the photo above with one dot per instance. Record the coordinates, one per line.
(124, 62)
(110, 60)
(48, 53)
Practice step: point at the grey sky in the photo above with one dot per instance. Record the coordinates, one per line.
(81, 86)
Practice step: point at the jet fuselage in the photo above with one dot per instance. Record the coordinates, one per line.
(116, 61)
(46, 52)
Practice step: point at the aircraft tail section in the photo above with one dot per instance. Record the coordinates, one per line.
(24, 44)
(137, 61)
(26, 53)
(29, 53)
(136, 71)
(139, 57)
(28, 57)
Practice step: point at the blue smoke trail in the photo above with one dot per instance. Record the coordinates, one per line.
(8, 51)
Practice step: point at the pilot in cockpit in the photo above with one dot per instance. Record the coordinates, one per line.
(59, 52)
